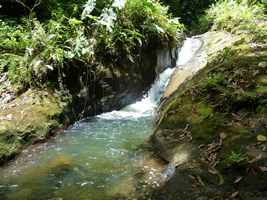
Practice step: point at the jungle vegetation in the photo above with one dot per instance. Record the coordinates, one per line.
(39, 38)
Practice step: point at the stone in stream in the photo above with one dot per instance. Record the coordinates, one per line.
(124, 189)
(60, 162)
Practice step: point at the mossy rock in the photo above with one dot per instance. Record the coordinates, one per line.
(223, 109)
(29, 118)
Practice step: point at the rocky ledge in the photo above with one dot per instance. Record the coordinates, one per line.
(212, 125)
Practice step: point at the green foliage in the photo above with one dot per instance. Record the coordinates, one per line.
(141, 22)
(238, 17)
(33, 50)
(13, 36)
(150, 17)
(42, 9)
(14, 39)
(16, 72)
(188, 11)
(29, 53)
(236, 158)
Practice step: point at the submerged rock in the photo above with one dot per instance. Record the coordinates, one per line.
(218, 117)
(124, 189)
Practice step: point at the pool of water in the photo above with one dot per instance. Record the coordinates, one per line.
(87, 162)
(95, 159)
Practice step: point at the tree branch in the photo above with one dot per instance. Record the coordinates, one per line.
(36, 4)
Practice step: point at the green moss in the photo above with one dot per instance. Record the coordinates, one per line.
(34, 116)
(261, 89)
(262, 80)
(236, 159)
(203, 110)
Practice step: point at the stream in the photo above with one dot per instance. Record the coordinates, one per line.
(95, 159)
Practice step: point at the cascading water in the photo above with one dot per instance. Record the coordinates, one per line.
(147, 105)
(95, 159)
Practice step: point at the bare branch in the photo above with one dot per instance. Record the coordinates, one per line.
(36, 4)
(24, 5)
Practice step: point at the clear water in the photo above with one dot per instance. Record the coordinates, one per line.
(95, 159)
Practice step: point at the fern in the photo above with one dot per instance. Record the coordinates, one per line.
(239, 17)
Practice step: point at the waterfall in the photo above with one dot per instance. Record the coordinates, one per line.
(188, 50)
(146, 106)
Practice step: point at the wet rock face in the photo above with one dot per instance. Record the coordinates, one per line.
(220, 114)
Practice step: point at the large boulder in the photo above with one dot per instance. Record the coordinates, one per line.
(218, 118)
(28, 119)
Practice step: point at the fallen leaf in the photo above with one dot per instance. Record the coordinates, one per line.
(223, 136)
(212, 171)
(263, 168)
(221, 179)
(238, 179)
(235, 194)
(255, 159)
(261, 138)
(200, 181)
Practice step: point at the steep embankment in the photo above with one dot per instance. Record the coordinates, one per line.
(217, 118)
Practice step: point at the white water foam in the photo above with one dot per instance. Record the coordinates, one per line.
(146, 106)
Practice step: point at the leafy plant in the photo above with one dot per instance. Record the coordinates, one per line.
(236, 158)
(152, 18)
(14, 37)
(139, 23)
(33, 49)
(188, 11)
(243, 16)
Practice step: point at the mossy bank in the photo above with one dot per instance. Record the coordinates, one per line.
(218, 118)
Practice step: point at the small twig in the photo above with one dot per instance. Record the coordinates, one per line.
(24, 5)
(36, 4)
